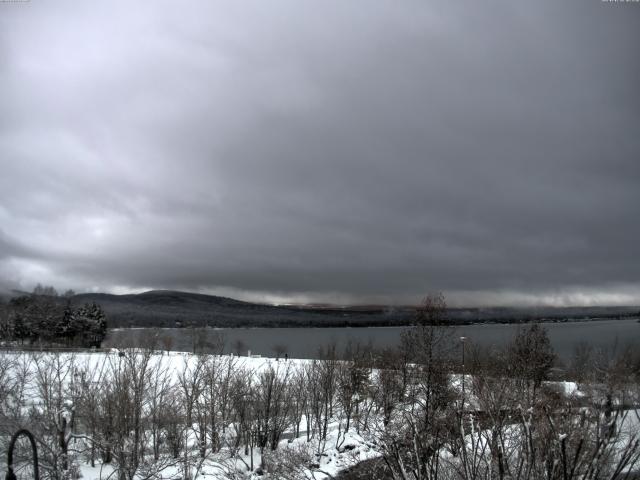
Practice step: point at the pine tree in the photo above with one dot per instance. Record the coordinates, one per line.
(98, 325)
(20, 329)
(23, 325)
(65, 326)
(80, 325)
(90, 325)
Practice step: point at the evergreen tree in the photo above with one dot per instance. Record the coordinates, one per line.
(80, 324)
(90, 324)
(65, 326)
(23, 325)
(98, 325)
(21, 331)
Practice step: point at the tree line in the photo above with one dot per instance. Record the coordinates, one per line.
(46, 318)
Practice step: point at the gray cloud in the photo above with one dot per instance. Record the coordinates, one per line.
(349, 151)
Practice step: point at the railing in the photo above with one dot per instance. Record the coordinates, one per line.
(10, 474)
(45, 349)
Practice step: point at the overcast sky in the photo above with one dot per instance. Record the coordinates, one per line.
(343, 151)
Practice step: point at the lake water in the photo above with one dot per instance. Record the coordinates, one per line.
(305, 342)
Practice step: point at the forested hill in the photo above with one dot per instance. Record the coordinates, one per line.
(163, 308)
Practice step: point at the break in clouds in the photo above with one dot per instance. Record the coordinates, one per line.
(335, 151)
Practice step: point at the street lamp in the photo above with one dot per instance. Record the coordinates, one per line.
(462, 341)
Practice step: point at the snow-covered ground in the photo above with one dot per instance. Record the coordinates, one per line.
(303, 457)
(312, 458)
(339, 452)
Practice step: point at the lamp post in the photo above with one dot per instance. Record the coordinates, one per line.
(462, 341)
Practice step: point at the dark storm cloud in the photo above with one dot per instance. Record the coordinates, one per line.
(349, 151)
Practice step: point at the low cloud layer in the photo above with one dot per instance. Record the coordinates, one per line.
(343, 151)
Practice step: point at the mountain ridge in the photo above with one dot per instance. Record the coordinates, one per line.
(168, 308)
(173, 308)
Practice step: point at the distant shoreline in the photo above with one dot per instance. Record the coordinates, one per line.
(373, 325)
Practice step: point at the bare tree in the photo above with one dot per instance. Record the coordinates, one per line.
(272, 405)
(530, 359)
(218, 376)
(413, 438)
(352, 378)
(53, 417)
(160, 388)
(191, 385)
(91, 379)
(126, 401)
(298, 395)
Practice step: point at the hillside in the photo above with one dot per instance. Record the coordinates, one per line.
(166, 308)
(162, 308)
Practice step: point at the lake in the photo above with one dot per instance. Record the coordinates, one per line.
(305, 342)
